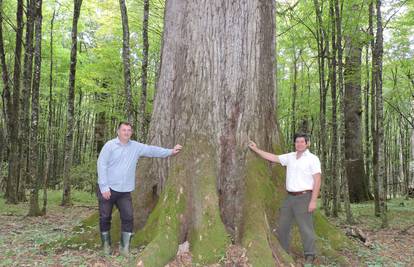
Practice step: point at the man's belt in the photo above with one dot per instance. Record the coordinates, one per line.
(299, 192)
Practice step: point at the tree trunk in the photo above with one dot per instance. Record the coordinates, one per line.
(129, 112)
(66, 199)
(294, 93)
(25, 101)
(34, 144)
(322, 47)
(100, 123)
(341, 150)
(50, 128)
(374, 110)
(14, 111)
(358, 188)
(368, 138)
(334, 155)
(218, 57)
(6, 98)
(380, 121)
(142, 113)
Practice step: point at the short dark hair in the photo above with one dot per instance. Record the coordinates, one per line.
(299, 135)
(124, 123)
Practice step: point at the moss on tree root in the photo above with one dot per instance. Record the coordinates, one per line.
(261, 201)
(195, 217)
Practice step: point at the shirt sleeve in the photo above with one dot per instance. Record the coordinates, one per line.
(154, 151)
(283, 159)
(102, 165)
(316, 166)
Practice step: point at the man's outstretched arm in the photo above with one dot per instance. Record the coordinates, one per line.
(265, 155)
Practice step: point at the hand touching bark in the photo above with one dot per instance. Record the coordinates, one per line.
(252, 145)
(177, 149)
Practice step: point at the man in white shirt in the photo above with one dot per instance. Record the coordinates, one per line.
(303, 182)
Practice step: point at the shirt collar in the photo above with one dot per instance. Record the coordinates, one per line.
(305, 153)
(117, 141)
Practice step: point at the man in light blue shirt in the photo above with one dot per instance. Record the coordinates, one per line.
(116, 179)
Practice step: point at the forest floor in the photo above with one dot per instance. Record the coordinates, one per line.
(22, 238)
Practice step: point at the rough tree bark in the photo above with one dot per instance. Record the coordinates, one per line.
(25, 101)
(6, 98)
(34, 209)
(355, 172)
(50, 126)
(334, 153)
(322, 44)
(379, 150)
(367, 144)
(13, 109)
(66, 199)
(215, 91)
(373, 107)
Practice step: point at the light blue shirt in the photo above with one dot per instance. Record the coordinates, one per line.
(117, 163)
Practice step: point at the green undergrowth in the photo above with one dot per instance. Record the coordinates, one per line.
(54, 198)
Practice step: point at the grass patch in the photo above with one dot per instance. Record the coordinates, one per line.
(54, 198)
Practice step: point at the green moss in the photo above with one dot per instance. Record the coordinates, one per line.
(162, 229)
(331, 240)
(209, 238)
(260, 210)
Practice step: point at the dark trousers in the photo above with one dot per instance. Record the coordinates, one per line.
(123, 201)
(295, 208)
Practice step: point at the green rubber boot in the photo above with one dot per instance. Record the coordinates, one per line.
(106, 242)
(124, 244)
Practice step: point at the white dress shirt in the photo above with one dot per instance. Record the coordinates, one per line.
(299, 173)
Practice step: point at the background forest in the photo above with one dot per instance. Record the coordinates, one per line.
(71, 70)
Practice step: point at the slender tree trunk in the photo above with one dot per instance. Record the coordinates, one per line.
(50, 128)
(142, 114)
(374, 110)
(321, 36)
(367, 131)
(334, 147)
(358, 189)
(381, 184)
(341, 148)
(100, 123)
(66, 199)
(294, 94)
(14, 111)
(34, 144)
(6, 98)
(78, 137)
(129, 112)
(25, 101)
